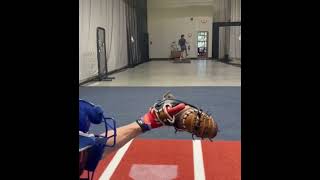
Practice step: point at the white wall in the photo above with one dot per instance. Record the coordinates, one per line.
(109, 14)
(167, 23)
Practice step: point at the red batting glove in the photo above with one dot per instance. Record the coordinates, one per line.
(149, 120)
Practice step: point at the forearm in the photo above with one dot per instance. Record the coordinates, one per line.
(124, 135)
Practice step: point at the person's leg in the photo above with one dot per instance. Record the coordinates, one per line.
(181, 54)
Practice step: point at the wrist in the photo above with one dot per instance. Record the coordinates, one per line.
(144, 127)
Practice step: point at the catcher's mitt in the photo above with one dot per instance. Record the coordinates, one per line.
(190, 119)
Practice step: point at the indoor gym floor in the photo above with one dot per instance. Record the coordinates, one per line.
(150, 155)
(166, 73)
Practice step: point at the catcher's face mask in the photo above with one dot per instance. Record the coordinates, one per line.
(91, 146)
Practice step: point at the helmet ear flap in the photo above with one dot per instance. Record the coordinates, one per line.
(89, 113)
(96, 115)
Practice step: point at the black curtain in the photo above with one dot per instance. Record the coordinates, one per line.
(137, 32)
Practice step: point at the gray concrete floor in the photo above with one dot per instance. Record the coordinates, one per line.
(166, 73)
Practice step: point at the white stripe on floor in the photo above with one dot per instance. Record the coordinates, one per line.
(94, 84)
(198, 167)
(115, 162)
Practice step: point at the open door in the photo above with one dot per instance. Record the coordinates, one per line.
(202, 44)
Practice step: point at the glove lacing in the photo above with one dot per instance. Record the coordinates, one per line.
(170, 119)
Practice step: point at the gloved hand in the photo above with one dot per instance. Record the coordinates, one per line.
(190, 119)
(151, 120)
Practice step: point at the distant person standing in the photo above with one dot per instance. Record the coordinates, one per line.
(182, 44)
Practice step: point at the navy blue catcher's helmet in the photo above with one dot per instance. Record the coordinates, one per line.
(91, 146)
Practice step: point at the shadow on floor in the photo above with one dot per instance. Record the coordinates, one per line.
(230, 62)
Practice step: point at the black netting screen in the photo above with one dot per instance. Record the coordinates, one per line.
(101, 52)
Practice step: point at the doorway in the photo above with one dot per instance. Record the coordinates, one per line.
(202, 44)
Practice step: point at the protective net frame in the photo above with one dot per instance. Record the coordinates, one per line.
(101, 55)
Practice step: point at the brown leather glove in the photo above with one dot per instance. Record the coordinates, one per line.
(190, 118)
